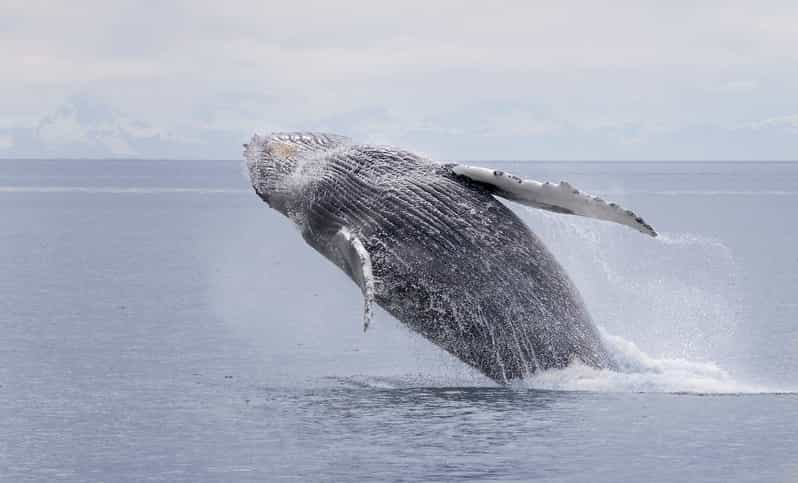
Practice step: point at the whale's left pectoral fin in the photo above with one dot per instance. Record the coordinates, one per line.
(560, 198)
(355, 260)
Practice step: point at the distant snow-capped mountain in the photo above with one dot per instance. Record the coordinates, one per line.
(86, 127)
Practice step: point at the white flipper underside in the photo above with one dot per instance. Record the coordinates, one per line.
(358, 262)
(560, 198)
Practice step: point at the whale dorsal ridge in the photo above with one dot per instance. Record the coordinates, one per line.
(559, 198)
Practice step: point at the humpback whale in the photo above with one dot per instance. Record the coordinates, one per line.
(433, 245)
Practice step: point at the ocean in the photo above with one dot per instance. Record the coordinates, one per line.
(158, 322)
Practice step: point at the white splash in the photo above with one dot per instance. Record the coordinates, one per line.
(640, 372)
(677, 296)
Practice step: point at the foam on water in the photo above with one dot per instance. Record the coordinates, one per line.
(639, 372)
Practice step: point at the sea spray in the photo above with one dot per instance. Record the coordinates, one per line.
(639, 372)
(674, 296)
(672, 304)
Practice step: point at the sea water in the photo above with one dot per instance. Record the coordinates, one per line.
(158, 322)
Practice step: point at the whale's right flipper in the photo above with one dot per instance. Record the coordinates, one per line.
(356, 261)
(559, 198)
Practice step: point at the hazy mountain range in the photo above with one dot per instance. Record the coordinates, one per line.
(86, 127)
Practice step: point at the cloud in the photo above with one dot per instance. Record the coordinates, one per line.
(783, 122)
(738, 86)
(439, 75)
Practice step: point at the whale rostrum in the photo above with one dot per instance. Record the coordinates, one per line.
(432, 245)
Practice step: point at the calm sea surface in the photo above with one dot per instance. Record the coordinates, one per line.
(159, 323)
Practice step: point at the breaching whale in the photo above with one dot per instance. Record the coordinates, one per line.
(432, 245)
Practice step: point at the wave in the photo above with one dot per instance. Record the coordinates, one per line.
(414, 381)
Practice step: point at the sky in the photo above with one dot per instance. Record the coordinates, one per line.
(454, 80)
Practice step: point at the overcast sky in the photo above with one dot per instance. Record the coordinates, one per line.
(455, 80)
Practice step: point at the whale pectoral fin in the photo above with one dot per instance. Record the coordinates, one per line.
(356, 261)
(559, 198)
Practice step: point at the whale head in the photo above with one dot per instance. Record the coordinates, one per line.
(270, 161)
(274, 162)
